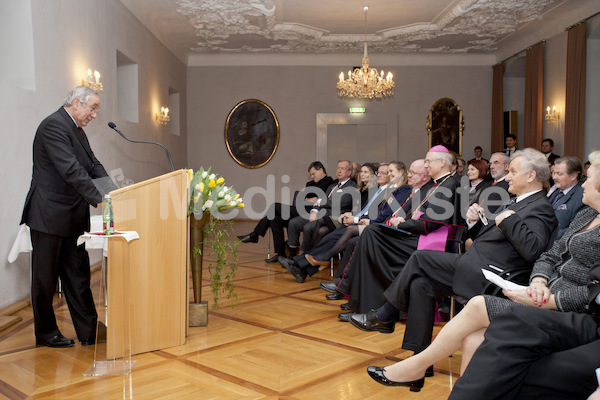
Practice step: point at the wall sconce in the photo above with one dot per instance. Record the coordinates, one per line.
(552, 115)
(93, 81)
(163, 118)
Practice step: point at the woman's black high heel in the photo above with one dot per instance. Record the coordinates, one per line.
(377, 374)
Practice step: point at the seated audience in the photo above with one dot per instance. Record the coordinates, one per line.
(557, 282)
(382, 250)
(335, 242)
(335, 196)
(313, 231)
(278, 214)
(515, 239)
(566, 199)
(420, 182)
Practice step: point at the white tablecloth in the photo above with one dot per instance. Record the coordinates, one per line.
(22, 243)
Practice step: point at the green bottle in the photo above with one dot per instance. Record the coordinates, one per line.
(108, 225)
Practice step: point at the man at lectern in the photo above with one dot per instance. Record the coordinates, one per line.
(57, 212)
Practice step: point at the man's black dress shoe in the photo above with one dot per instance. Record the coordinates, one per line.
(345, 317)
(369, 322)
(55, 341)
(293, 268)
(334, 296)
(344, 306)
(88, 342)
(249, 238)
(377, 374)
(273, 259)
(328, 286)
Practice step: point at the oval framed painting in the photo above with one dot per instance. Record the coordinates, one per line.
(252, 133)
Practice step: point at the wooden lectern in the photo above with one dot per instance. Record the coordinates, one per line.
(157, 290)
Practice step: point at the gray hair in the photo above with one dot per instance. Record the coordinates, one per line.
(534, 160)
(595, 164)
(505, 158)
(83, 93)
(350, 166)
(448, 157)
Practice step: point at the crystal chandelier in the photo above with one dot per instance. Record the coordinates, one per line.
(365, 82)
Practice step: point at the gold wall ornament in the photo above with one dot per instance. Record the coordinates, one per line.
(445, 125)
(252, 133)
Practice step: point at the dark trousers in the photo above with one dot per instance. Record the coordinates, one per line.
(426, 278)
(55, 256)
(277, 218)
(529, 353)
(378, 258)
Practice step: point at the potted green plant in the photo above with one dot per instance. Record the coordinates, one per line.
(209, 197)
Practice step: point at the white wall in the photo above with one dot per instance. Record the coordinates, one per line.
(65, 39)
(298, 94)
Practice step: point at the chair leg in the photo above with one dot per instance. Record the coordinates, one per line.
(268, 243)
(452, 307)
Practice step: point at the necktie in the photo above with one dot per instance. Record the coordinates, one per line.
(507, 205)
(558, 197)
(80, 131)
(366, 208)
(333, 191)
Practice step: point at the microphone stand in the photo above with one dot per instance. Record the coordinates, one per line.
(113, 126)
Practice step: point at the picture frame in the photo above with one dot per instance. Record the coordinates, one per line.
(445, 125)
(252, 133)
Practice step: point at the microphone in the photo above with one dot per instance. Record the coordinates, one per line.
(112, 125)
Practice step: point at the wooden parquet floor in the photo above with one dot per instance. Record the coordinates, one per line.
(281, 340)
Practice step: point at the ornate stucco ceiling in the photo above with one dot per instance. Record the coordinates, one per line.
(210, 27)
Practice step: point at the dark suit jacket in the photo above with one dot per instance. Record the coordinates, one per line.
(567, 207)
(439, 209)
(386, 210)
(61, 187)
(342, 197)
(516, 243)
(552, 157)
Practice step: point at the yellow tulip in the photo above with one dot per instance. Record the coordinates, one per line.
(220, 180)
(211, 184)
(236, 196)
(196, 199)
(240, 205)
(201, 187)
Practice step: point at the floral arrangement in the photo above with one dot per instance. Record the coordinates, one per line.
(210, 194)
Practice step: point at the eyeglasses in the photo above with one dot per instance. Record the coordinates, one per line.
(427, 162)
(92, 110)
(382, 173)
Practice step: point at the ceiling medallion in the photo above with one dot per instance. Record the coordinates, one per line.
(366, 82)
